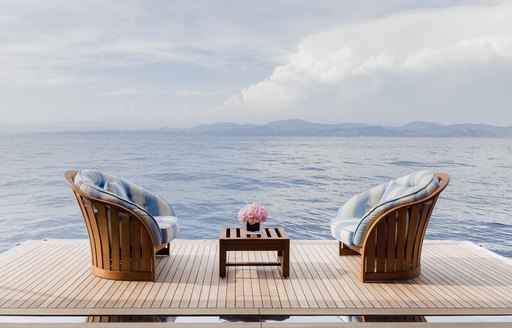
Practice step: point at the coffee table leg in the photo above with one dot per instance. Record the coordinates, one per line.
(285, 262)
(222, 259)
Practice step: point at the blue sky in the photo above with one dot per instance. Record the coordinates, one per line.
(183, 63)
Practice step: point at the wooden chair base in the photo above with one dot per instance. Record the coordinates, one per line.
(164, 250)
(123, 275)
(344, 249)
(366, 276)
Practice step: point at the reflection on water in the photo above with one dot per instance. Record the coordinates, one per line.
(301, 181)
(318, 319)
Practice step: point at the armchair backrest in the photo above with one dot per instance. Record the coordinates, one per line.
(369, 205)
(96, 182)
(145, 205)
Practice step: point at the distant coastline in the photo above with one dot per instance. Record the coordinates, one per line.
(301, 128)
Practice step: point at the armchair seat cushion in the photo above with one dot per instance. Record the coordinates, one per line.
(344, 229)
(168, 226)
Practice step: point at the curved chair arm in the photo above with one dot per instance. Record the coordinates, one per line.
(392, 244)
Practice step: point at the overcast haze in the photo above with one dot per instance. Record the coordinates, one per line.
(183, 63)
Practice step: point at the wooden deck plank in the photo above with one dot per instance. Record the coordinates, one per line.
(83, 286)
(127, 292)
(182, 260)
(348, 297)
(300, 274)
(230, 283)
(487, 271)
(297, 289)
(23, 274)
(74, 270)
(253, 287)
(142, 292)
(465, 275)
(151, 296)
(11, 262)
(220, 301)
(428, 277)
(39, 287)
(64, 290)
(445, 278)
(332, 281)
(346, 270)
(187, 278)
(191, 299)
(273, 274)
(211, 280)
(239, 280)
(468, 279)
(325, 287)
(168, 273)
(132, 298)
(346, 280)
(112, 287)
(263, 284)
(192, 281)
(54, 277)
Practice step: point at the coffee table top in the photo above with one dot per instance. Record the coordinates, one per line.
(267, 233)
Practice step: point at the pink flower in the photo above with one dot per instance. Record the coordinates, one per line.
(252, 213)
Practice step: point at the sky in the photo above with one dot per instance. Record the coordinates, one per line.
(143, 64)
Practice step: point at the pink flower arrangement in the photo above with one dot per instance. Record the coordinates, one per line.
(252, 213)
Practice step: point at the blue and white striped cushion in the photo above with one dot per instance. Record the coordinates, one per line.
(400, 191)
(155, 205)
(343, 229)
(359, 205)
(116, 187)
(142, 202)
(380, 199)
(168, 226)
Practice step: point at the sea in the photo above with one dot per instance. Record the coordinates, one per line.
(301, 181)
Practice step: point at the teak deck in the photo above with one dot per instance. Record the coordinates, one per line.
(54, 278)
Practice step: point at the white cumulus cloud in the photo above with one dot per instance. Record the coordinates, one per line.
(411, 42)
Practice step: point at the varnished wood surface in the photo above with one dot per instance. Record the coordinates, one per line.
(53, 277)
(269, 239)
(392, 244)
(122, 247)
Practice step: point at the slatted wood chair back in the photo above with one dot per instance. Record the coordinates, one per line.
(393, 243)
(121, 245)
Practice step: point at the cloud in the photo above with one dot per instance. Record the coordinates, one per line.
(229, 60)
(125, 92)
(478, 51)
(402, 45)
(195, 93)
(74, 38)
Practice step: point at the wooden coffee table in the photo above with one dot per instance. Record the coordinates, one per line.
(270, 239)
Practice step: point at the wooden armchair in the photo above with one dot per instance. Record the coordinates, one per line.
(392, 242)
(124, 237)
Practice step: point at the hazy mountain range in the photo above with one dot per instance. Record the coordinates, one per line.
(303, 128)
(293, 127)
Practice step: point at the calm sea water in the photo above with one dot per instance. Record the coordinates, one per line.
(301, 181)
